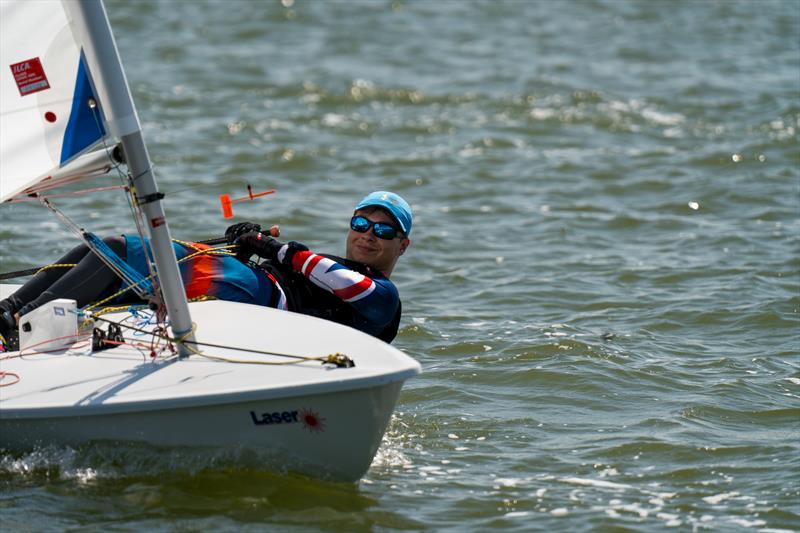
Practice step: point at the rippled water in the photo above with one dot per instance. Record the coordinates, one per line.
(603, 287)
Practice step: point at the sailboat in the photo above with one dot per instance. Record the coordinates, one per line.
(309, 395)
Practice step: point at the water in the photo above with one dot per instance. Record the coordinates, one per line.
(604, 281)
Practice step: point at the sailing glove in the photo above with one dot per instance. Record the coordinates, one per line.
(261, 244)
(237, 230)
(255, 242)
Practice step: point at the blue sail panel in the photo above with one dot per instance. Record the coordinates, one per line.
(85, 126)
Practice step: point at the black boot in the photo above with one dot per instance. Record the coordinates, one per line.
(8, 305)
(9, 334)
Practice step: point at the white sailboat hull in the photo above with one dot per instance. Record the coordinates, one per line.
(339, 443)
(308, 417)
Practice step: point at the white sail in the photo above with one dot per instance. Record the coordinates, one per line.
(57, 52)
(45, 94)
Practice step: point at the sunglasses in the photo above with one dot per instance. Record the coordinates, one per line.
(382, 230)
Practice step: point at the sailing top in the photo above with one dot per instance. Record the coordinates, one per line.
(338, 289)
(205, 273)
(325, 286)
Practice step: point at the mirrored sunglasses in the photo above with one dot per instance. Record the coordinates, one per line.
(382, 230)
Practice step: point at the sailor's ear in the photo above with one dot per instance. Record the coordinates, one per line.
(405, 243)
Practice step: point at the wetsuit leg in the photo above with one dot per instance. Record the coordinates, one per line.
(89, 280)
(42, 280)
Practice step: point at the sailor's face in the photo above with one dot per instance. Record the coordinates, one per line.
(380, 254)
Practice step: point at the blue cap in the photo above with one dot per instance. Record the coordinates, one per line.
(393, 203)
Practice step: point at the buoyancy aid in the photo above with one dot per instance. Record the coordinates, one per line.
(303, 296)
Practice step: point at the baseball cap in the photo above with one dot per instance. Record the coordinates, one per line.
(394, 204)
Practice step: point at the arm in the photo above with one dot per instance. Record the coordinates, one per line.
(374, 298)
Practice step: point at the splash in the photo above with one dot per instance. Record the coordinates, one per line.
(395, 443)
(105, 461)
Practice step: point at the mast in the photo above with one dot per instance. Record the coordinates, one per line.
(94, 32)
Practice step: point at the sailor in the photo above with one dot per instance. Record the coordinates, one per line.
(354, 290)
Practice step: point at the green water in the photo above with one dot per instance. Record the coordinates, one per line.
(604, 280)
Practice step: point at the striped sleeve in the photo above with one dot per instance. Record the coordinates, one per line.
(376, 299)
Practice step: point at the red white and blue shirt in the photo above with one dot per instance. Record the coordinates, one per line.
(374, 298)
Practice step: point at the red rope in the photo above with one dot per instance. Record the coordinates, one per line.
(4, 375)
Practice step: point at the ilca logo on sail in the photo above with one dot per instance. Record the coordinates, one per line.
(29, 76)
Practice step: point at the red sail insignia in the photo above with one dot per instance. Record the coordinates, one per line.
(29, 76)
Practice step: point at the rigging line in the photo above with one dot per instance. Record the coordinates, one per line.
(126, 181)
(43, 187)
(65, 194)
(138, 220)
(219, 250)
(80, 233)
(34, 270)
(109, 151)
(119, 270)
(301, 358)
(135, 308)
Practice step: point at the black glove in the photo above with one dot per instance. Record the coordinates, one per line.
(237, 230)
(255, 242)
(265, 246)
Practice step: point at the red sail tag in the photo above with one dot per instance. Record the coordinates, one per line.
(29, 76)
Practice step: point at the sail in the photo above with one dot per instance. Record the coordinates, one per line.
(48, 110)
(49, 114)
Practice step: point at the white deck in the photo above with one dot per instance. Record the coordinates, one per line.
(126, 379)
